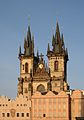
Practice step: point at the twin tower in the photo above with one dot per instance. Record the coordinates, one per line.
(35, 75)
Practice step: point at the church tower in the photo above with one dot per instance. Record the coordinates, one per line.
(58, 58)
(26, 65)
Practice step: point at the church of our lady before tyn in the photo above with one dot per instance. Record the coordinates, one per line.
(43, 91)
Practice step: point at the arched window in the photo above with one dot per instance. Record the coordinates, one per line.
(26, 67)
(41, 88)
(56, 65)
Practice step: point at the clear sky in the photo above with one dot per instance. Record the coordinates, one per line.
(43, 16)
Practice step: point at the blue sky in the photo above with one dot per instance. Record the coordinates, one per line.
(43, 16)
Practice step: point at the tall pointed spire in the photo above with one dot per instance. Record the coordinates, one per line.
(48, 49)
(19, 50)
(62, 43)
(53, 40)
(62, 40)
(57, 34)
(37, 54)
(25, 45)
(29, 34)
(33, 44)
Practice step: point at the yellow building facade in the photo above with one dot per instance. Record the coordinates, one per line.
(43, 91)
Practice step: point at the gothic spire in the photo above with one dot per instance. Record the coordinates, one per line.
(48, 49)
(66, 52)
(53, 40)
(37, 54)
(33, 44)
(62, 40)
(29, 34)
(25, 45)
(20, 50)
(57, 34)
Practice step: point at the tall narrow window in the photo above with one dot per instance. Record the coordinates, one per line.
(27, 114)
(3, 114)
(23, 67)
(44, 115)
(8, 114)
(56, 65)
(22, 114)
(17, 114)
(26, 67)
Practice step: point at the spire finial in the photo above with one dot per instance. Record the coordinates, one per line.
(57, 34)
(28, 20)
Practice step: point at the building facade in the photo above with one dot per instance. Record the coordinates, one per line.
(43, 91)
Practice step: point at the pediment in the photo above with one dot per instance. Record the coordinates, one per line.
(62, 93)
(50, 93)
(77, 93)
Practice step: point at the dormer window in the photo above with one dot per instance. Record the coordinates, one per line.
(55, 65)
(26, 67)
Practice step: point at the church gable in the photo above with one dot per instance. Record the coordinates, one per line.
(77, 94)
(50, 93)
(62, 93)
(41, 74)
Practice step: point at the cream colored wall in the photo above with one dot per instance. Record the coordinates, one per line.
(30, 66)
(77, 104)
(36, 84)
(25, 86)
(60, 71)
(55, 107)
(19, 105)
(56, 85)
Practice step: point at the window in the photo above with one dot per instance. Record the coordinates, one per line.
(17, 114)
(3, 114)
(8, 114)
(23, 67)
(26, 67)
(27, 114)
(22, 114)
(56, 65)
(41, 88)
(17, 104)
(44, 115)
(25, 104)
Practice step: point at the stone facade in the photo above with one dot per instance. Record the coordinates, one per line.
(43, 91)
